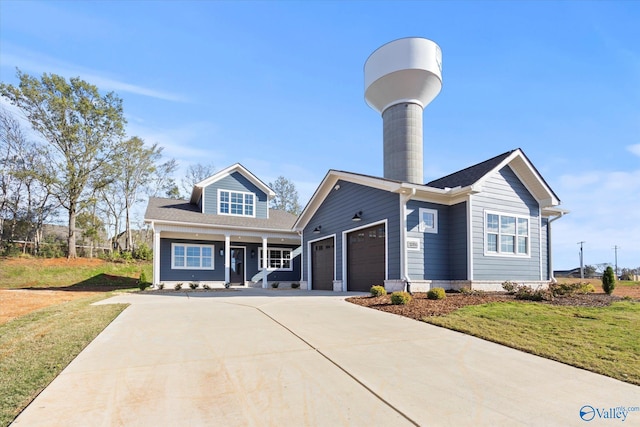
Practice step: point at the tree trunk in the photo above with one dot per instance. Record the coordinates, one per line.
(71, 241)
(115, 245)
(37, 239)
(128, 225)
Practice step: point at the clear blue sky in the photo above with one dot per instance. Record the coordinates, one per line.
(278, 87)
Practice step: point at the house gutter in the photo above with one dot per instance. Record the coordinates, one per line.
(223, 227)
(549, 253)
(404, 274)
(301, 234)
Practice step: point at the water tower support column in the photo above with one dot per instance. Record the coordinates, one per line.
(402, 128)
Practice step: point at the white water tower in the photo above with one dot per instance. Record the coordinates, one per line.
(400, 79)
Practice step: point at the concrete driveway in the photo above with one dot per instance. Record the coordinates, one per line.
(299, 358)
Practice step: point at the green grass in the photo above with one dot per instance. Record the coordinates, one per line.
(626, 283)
(604, 340)
(35, 348)
(33, 275)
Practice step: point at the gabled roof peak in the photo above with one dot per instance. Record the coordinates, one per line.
(237, 167)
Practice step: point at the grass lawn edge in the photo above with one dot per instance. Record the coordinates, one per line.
(465, 327)
(42, 344)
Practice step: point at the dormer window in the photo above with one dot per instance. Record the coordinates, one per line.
(236, 203)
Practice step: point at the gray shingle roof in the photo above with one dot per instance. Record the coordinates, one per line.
(160, 209)
(470, 175)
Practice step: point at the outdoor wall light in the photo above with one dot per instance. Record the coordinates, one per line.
(253, 253)
(317, 229)
(221, 252)
(357, 216)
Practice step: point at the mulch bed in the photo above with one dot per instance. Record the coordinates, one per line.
(421, 306)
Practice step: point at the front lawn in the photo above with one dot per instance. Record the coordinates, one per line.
(79, 274)
(36, 347)
(605, 340)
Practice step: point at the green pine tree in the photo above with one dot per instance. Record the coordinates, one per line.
(608, 280)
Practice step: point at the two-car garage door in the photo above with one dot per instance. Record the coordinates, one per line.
(365, 260)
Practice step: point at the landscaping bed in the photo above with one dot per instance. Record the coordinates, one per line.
(421, 306)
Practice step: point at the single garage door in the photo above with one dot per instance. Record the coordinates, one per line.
(366, 258)
(322, 265)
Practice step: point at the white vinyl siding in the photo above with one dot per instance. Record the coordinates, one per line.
(192, 257)
(506, 234)
(277, 259)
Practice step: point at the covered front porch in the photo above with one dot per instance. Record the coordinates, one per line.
(208, 257)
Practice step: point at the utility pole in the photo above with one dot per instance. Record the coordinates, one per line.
(615, 248)
(581, 259)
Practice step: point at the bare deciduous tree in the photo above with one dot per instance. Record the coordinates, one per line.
(195, 174)
(286, 196)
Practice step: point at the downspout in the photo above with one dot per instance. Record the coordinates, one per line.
(156, 255)
(404, 273)
(550, 259)
(301, 235)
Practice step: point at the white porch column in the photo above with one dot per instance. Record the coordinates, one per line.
(265, 263)
(227, 258)
(156, 258)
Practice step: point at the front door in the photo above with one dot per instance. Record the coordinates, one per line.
(236, 275)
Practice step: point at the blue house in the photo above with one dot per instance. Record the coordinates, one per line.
(225, 234)
(475, 228)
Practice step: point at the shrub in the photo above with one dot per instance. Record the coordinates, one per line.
(295, 285)
(205, 286)
(178, 286)
(226, 285)
(193, 285)
(400, 298)
(608, 281)
(436, 293)
(469, 291)
(143, 282)
(52, 247)
(568, 289)
(275, 284)
(510, 287)
(524, 292)
(378, 291)
(161, 286)
(143, 252)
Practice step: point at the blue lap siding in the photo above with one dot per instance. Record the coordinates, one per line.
(335, 217)
(442, 255)
(234, 182)
(504, 193)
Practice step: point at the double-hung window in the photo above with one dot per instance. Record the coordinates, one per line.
(192, 257)
(236, 203)
(277, 259)
(506, 234)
